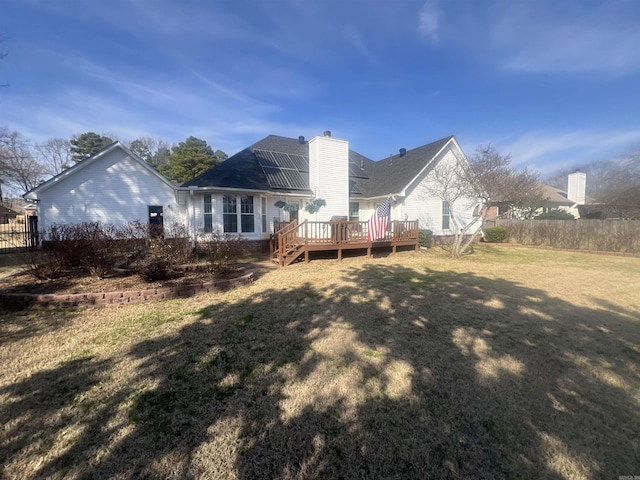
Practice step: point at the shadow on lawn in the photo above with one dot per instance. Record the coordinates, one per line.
(390, 374)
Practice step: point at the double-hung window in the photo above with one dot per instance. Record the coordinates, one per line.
(229, 214)
(246, 213)
(208, 213)
(446, 215)
(234, 217)
(263, 211)
(354, 211)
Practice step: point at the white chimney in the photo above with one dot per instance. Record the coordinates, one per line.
(577, 188)
(329, 175)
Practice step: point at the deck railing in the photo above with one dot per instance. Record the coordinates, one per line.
(294, 238)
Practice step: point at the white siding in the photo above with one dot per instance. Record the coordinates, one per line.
(273, 213)
(427, 209)
(112, 189)
(329, 175)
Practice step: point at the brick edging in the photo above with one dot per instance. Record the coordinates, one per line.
(117, 298)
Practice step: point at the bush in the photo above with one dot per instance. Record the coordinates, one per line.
(152, 269)
(100, 247)
(495, 234)
(221, 251)
(555, 215)
(425, 238)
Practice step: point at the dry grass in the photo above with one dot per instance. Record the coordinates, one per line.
(511, 363)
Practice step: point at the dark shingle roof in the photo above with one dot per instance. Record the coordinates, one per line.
(243, 170)
(393, 174)
(367, 178)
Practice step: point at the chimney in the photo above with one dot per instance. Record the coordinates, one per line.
(301, 139)
(403, 152)
(577, 186)
(327, 133)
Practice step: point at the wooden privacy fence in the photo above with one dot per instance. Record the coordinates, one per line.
(600, 235)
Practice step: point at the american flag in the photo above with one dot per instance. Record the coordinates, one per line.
(378, 221)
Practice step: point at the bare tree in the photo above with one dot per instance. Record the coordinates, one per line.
(19, 169)
(153, 150)
(614, 184)
(55, 155)
(484, 179)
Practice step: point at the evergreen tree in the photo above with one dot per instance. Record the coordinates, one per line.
(88, 144)
(189, 159)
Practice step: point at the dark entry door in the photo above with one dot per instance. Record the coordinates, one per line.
(156, 225)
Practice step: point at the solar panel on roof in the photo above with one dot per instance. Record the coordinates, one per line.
(301, 163)
(280, 170)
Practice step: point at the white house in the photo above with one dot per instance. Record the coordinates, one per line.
(240, 194)
(114, 186)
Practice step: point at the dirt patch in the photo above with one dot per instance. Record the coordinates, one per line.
(81, 282)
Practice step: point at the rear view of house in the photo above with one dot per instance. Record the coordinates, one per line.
(252, 192)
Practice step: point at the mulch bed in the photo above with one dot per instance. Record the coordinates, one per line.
(78, 287)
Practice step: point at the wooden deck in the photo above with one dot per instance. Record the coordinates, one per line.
(294, 240)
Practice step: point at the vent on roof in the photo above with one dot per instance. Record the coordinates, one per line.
(301, 139)
(327, 133)
(403, 152)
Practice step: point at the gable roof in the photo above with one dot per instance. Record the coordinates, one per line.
(367, 178)
(393, 174)
(33, 194)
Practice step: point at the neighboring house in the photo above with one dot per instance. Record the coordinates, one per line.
(239, 195)
(6, 215)
(572, 200)
(114, 186)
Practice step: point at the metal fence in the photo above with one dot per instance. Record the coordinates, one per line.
(19, 236)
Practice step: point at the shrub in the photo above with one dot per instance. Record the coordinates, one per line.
(152, 269)
(221, 251)
(425, 238)
(555, 215)
(495, 234)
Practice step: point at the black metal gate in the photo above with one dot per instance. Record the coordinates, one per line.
(18, 236)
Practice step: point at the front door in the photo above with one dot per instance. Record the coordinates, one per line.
(156, 225)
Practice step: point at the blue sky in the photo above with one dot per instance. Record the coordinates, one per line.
(555, 83)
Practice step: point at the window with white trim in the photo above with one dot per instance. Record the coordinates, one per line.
(446, 215)
(263, 213)
(229, 214)
(208, 213)
(234, 217)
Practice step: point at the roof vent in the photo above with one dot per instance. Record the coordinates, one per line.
(327, 133)
(361, 163)
(403, 152)
(301, 139)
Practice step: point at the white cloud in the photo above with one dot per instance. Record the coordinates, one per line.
(568, 37)
(429, 20)
(548, 151)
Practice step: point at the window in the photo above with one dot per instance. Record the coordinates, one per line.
(208, 213)
(246, 213)
(354, 211)
(232, 217)
(229, 214)
(263, 211)
(445, 215)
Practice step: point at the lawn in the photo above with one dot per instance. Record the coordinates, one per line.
(509, 363)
